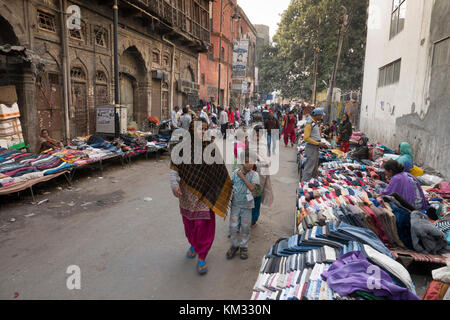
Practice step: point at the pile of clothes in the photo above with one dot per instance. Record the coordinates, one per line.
(17, 166)
(336, 261)
(348, 233)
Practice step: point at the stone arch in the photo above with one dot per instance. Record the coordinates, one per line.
(127, 43)
(14, 21)
(134, 83)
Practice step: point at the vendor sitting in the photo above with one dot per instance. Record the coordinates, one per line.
(49, 143)
(404, 184)
(362, 151)
(406, 158)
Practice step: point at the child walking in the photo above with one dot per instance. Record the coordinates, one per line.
(245, 183)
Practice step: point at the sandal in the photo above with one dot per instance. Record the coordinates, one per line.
(244, 253)
(201, 267)
(191, 253)
(232, 252)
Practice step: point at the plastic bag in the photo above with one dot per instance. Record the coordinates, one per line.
(429, 180)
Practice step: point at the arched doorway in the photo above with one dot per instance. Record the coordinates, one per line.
(134, 87)
(14, 71)
(127, 95)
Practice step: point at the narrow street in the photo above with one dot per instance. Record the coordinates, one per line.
(127, 245)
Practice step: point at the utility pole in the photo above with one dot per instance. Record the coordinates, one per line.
(342, 32)
(316, 63)
(220, 51)
(116, 70)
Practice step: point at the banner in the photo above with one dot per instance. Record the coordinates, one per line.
(240, 57)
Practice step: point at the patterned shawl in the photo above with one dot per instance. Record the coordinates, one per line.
(210, 183)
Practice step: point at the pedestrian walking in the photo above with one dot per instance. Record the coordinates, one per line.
(247, 116)
(173, 118)
(290, 122)
(313, 144)
(245, 182)
(271, 124)
(185, 119)
(265, 194)
(203, 190)
(223, 122)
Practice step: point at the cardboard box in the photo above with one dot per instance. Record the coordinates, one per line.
(8, 95)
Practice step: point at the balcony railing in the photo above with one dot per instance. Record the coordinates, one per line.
(175, 17)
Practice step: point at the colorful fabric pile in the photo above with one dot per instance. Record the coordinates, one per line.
(332, 262)
(17, 167)
(345, 228)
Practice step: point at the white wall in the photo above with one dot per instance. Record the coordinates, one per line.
(415, 66)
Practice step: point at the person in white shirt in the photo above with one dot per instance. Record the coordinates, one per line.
(247, 116)
(223, 122)
(174, 118)
(204, 115)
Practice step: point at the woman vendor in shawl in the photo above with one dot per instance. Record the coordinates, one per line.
(362, 152)
(406, 158)
(404, 184)
(203, 190)
(49, 143)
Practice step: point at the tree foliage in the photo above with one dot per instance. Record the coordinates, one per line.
(310, 26)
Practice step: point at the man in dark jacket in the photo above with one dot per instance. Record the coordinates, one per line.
(270, 124)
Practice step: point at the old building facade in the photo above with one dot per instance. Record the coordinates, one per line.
(219, 54)
(158, 44)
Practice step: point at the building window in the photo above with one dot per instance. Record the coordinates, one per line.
(101, 37)
(389, 74)
(211, 52)
(203, 79)
(76, 73)
(222, 53)
(441, 52)
(166, 61)
(100, 76)
(46, 21)
(398, 16)
(79, 34)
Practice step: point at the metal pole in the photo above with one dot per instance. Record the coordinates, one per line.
(220, 51)
(65, 71)
(116, 67)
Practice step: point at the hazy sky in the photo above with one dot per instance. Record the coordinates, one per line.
(265, 12)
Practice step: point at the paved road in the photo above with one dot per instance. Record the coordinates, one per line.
(128, 248)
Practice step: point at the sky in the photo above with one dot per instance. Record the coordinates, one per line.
(266, 12)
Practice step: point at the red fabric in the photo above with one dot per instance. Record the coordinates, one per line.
(200, 234)
(345, 146)
(375, 222)
(432, 291)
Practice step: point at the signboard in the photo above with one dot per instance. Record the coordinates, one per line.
(239, 86)
(105, 119)
(240, 58)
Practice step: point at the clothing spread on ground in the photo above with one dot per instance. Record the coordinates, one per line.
(18, 167)
(347, 232)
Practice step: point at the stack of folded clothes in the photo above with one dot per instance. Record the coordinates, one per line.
(326, 263)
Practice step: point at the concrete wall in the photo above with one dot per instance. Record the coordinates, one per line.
(414, 109)
(429, 134)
